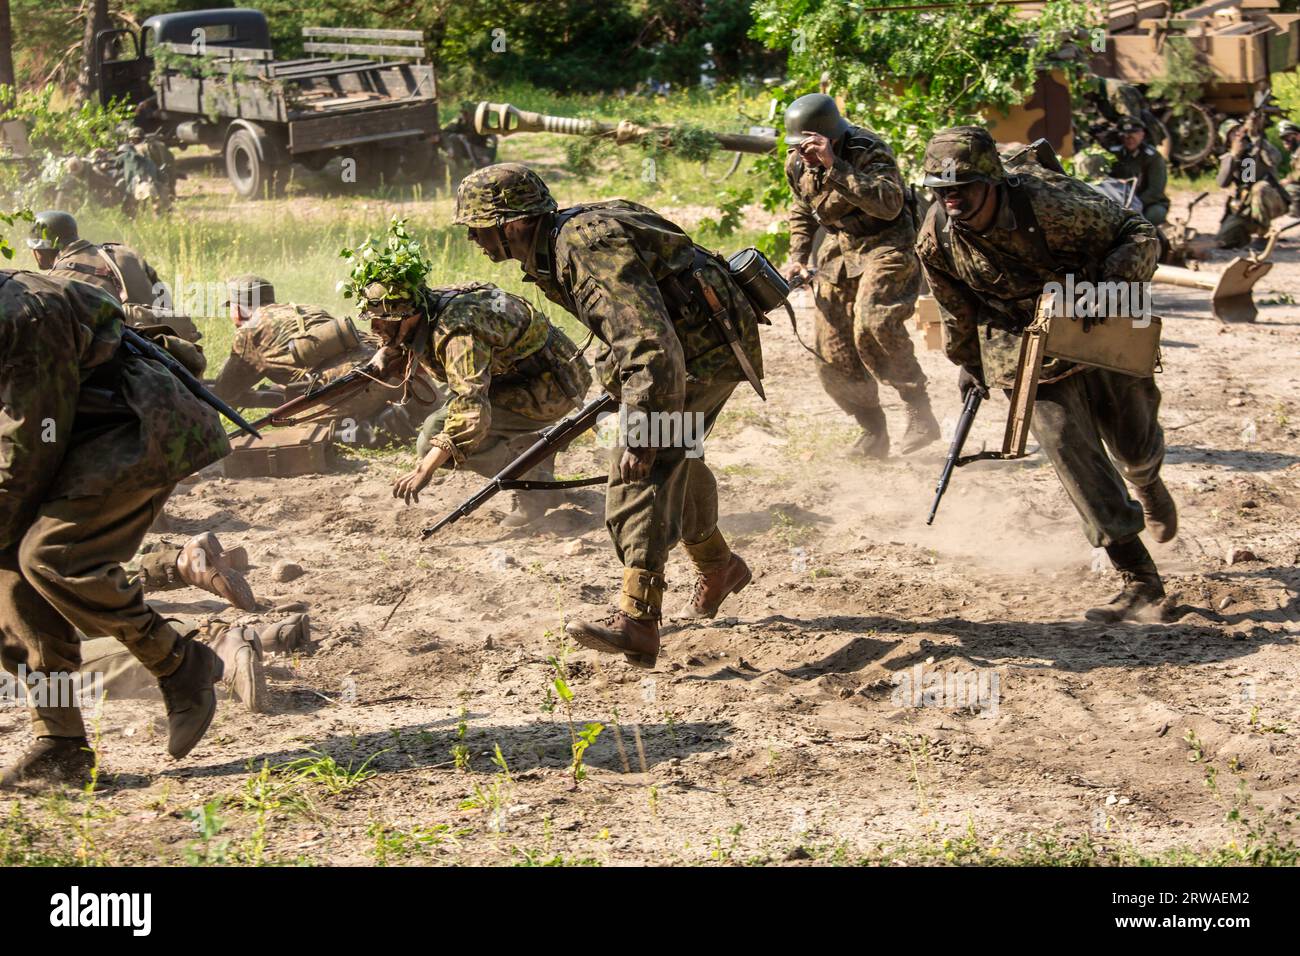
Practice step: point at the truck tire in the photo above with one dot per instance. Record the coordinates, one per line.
(245, 169)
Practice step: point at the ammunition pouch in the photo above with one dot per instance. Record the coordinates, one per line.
(323, 342)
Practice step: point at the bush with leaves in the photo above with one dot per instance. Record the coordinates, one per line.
(72, 131)
(396, 261)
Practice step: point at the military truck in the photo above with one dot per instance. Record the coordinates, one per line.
(1236, 46)
(209, 78)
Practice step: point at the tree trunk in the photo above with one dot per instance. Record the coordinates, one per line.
(7, 77)
(96, 20)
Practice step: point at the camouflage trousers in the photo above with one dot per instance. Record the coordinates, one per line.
(1251, 217)
(862, 331)
(66, 575)
(1076, 420)
(677, 502)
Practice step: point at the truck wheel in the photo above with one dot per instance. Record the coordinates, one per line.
(245, 170)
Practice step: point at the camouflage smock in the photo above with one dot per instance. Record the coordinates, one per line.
(860, 201)
(474, 345)
(263, 348)
(988, 284)
(605, 265)
(64, 437)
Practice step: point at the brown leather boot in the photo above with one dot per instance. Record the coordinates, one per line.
(1159, 510)
(52, 762)
(715, 587)
(634, 630)
(528, 507)
(189, 697)
(634, 638)
(922, 428)
(243, 674)
(286, 636)
(874, 440)
(1142, 597)
(202, 565)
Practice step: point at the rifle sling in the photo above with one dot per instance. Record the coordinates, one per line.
(515, 484)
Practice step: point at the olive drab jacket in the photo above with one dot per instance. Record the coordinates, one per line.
(79, 416)
(626, 273)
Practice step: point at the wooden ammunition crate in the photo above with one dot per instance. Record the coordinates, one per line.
(928, 321)
(281, 452)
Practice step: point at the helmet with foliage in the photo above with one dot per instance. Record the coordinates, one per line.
(386, 274)
(495, 195)
(962, 154)
(813, 113)
(53, 229)
(135, 135)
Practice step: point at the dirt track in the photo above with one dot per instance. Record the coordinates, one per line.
(781, 725)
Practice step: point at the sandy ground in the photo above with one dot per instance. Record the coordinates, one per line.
(786, 729)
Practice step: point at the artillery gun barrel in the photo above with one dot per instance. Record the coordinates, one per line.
(502, 119)
(1188, 278)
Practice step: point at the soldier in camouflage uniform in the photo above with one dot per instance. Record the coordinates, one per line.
(1249, 170)
(92, 441)
(117, 269)
(1137, 159)
(509, 373)
(846, 181)
(989, 245)
(678, 335)
(294, 345)
(1290, 135)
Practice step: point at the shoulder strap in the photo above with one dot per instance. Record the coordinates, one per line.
(114, 268)
(1028, 222)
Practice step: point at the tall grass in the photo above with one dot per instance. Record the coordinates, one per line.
(295, 241)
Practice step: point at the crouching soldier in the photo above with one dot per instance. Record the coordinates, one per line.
(509, 373)
(93, 438)
(298, 346)
(117, 269)
(679, 335)
(990, 244)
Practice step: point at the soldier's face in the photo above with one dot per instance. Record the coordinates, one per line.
(1133, 140)
(489, 240)
(964, 200)
(45, 258)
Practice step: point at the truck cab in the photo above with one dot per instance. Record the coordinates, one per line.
(124, 59)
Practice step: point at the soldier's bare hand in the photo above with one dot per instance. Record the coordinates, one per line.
(635, 464)
(816, 150)
(797, 270)
(409, 486)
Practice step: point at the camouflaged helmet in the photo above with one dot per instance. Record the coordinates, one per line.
(135, 135)
(496, 195)
(962, 154)
(813, 113)
(379, 300)
(53, 229)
